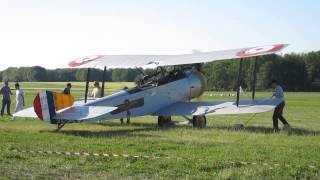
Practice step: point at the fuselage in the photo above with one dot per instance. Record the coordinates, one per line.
(148, 99)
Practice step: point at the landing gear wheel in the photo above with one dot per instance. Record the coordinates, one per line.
(199, 121)
(163, 120)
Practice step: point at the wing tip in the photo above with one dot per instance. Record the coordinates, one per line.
(260, 50)
(83, 61)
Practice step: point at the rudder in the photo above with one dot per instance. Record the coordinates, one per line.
(46, 103)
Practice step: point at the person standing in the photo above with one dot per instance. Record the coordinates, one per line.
(278, 111)
(67, 90)
(6, 98)
(19, 98)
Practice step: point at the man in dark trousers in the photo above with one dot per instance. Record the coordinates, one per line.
(67, 90)
(6, 98)
(278, 111)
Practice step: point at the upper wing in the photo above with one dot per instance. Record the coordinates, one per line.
(219, 108)
(131, 61)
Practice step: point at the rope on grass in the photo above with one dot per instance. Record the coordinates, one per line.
(119, 155)
(88, 154)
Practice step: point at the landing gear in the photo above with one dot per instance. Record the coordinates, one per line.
(199, 121)
(127, 103)
(163, 120)
(128, 121)
(60, 125)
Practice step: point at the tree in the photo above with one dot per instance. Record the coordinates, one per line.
(11, 74)
(121, 75)
(37, 73)
(221, 75)
(81, 74)
(63, 75)
(312, 63)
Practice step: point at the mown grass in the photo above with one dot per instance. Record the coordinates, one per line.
(206, 153)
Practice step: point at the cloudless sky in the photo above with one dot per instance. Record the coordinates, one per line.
(50, 33)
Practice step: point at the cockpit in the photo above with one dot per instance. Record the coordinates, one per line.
(159, 77)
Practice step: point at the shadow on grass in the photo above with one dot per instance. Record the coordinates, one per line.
(114, 133)
(267, 130)
(136, 130)
(134, 124)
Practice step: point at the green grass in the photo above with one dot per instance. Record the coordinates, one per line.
(206, 152)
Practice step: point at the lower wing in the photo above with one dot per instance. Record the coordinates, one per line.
(219, 108)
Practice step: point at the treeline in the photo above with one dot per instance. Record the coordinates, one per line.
(296, 72)
(38, 74)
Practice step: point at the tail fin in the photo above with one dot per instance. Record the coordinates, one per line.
(46, 103)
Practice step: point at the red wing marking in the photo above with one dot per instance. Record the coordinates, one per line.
(85, 60)
(256, 51)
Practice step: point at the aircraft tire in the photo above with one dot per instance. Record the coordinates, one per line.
(199, 121)
(163, 120)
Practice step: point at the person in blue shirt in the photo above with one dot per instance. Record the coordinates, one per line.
(278, 111)
(6, 98)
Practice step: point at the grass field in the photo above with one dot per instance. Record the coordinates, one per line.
(205, 153)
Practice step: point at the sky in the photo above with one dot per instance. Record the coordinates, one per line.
(50, 33)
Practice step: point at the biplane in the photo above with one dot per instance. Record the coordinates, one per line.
(162, 94)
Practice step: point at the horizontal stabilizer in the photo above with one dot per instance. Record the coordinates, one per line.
(81, 113)
(219, 108)
(28, 113)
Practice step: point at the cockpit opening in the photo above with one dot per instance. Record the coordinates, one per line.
(162, 76)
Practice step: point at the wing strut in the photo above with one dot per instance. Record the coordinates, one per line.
(254, 77)
(87, 86)
(103, 80)
(239, 80)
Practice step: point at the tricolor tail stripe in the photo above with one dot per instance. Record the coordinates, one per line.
(51, 106)
(44, 106)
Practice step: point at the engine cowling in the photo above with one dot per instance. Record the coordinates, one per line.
(197, 84)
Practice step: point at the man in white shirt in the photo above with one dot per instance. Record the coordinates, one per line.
(19, 98)
(278, 111)
(96, 92)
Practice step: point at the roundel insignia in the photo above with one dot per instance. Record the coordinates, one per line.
(85, 60)
(255, 51)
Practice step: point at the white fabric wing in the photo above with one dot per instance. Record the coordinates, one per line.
(219, 108)
(145, 61)
(74, 113)
(82, 113)
(28, 113)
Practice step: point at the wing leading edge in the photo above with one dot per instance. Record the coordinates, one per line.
(218, 108)
(145, 61)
